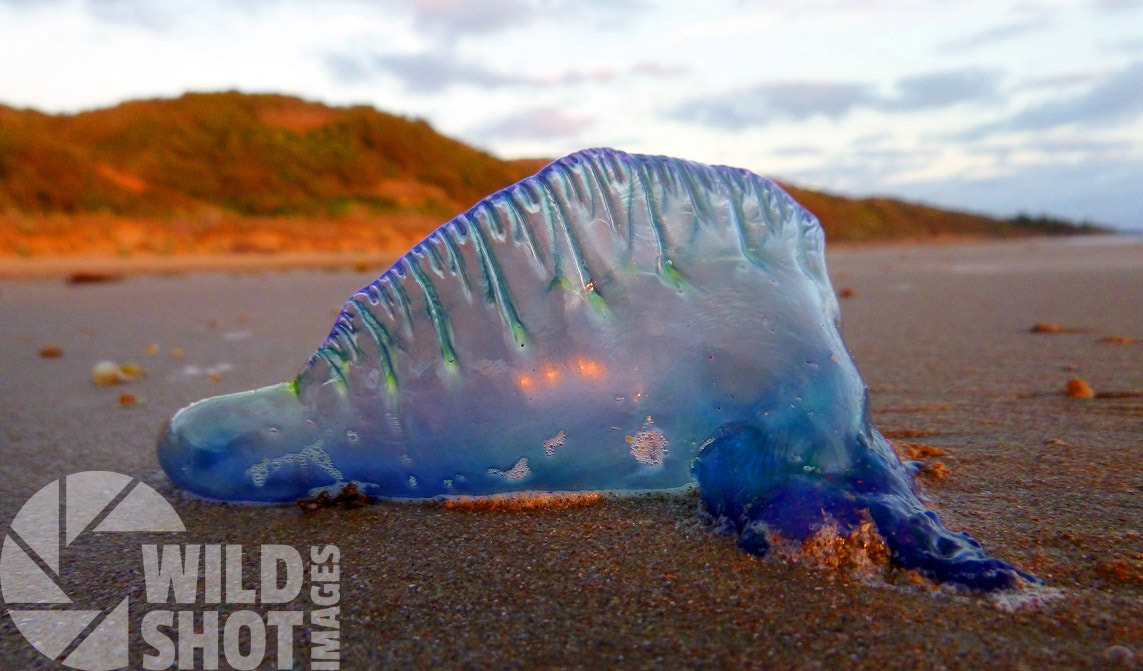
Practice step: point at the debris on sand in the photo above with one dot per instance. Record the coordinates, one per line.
(87, 277)
(1116, 340)
(1119, 394)
(51, 351)
(522, 501)
(349, 497)
(1052, 327)
(1078, 388)
(908, 433)
(918, 450)
(934, 472)
(108, 373)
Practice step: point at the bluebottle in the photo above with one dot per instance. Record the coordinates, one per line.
(615, 322)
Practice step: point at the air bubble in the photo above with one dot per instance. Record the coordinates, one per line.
(517, 472)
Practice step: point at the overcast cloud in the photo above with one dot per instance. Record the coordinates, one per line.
(436, 71)
(1116, 100)
(769, 103)
(996, 106)
(1001, 33)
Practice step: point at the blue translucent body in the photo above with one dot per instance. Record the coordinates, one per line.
(592, 327)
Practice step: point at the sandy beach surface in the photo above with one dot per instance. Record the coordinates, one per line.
(941, 334)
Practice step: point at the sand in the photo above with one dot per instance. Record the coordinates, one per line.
(941, 335)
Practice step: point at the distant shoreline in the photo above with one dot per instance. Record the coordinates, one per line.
(95, 268)
(113, 267)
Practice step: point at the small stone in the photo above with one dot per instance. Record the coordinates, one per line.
(132, 370)
(1078, 388)
(51, 351)
(1120, 657)
(1047, 327)
(151, 349)
(128, 400)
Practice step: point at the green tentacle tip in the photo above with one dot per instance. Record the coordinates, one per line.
(520, 335)
(673, 278)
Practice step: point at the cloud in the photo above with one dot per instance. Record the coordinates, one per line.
(32, 4)
(1101, 188)
(427, 72)
(1116, 99)
(1067, 80)
(541, 123)
(434, 71)
(771, 102)
(1079, 145)
(995, 34)
(863, 169)
(941, 89)
(605, 74)
(1126, 45)
(650, 69)
(152, 16)
(457, 17)
(766, 103)
(872, 139)
(797, 150)
(454, 19)
(1116, 5)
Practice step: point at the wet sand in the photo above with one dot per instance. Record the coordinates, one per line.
(941, 335)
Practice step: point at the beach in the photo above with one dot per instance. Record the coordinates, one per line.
(942, 334)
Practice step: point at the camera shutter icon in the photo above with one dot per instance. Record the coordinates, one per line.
(92, 501)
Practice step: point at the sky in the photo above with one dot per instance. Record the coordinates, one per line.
(993, 106)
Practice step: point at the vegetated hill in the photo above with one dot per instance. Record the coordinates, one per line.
(861, 219)
(178, 167)
(255, 155)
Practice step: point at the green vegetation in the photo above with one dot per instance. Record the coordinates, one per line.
(257, 155)
(270, 156)
(1053, 225)
(866, 219)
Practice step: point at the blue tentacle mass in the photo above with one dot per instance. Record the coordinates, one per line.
(614, 322)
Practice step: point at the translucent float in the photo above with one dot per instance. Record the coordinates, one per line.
(615, 322)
